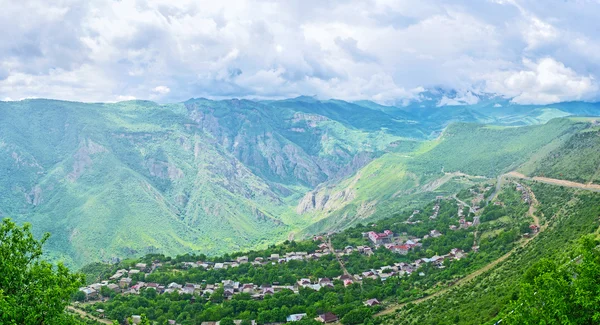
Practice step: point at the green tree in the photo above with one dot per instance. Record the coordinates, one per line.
(356, 316)
(227, 321)
(561, 294)
(32, 291)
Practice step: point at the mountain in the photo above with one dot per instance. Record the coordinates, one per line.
(112, 180)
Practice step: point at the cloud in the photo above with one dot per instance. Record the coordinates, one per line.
(161, 90)
(121, 98)
(543, 82)
(383, 50)
(466, 98)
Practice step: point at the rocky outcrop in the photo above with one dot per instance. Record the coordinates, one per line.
(323, 200)
(83, 158)
(163, 170)
(34, 197)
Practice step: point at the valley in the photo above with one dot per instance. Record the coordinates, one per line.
(382, 291)
(218, 176)
(183, 214)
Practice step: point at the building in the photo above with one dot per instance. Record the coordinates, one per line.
(89, 293)
(380, 238)
(401, 249)
(371, 302)
(434, 233)
(124, 283)
(295, 317)
(328, 317)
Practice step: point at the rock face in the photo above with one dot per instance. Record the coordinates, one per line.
(325, 200)
(82, 158)
(164, 170)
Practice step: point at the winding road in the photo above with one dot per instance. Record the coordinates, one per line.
(531, 212)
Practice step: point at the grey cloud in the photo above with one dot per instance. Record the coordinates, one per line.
(350, 46)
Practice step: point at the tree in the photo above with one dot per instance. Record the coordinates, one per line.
(227, 321)
(561, 294)
(32, 291)
(356, 316)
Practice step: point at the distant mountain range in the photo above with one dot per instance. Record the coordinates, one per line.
(125, 179)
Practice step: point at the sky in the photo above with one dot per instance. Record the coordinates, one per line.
(388, 51)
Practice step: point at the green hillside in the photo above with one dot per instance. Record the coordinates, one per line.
(465, 154)
(487, 299)
(130, 178)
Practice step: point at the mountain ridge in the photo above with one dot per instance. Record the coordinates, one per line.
(217, 175)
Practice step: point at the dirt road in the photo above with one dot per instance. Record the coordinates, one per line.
(337, 257)
(554, 181)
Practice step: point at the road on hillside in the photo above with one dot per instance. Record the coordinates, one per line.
(531, 212)
(337, 257)
(554, 181)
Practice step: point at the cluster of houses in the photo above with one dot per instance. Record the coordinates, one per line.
(436, 207)
(404, 269)
(462, 221)
(386, 239)
(409, 220)
(524, 193)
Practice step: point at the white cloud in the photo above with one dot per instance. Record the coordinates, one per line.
(543, 82)
(466, 98)
(383, 50)
(121, 98)
(161, 90)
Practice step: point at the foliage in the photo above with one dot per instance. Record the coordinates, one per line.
(561, 294)
(32, 291)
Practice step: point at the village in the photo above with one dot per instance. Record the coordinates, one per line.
(122, 281)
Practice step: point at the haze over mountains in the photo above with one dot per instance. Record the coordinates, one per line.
(135, 177)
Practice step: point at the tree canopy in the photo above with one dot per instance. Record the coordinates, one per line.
(32, 290)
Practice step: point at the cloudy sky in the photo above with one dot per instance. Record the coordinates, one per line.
(389, 51)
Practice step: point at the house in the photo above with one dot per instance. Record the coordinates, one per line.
(174, 285)
(274, 257)
(434, 233)
(295, 317)
(136, 319)
(328, 317)
(124, 283)
(101, 312)
(113, 287)
(303, 282)
(239, 321)
(380, 238)
(368, 251)
(401, 249)
(141, 266)
(348, 282)
(325, 281)
(89, 293)
(534, 228)
(371, 302)
(242, 259)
